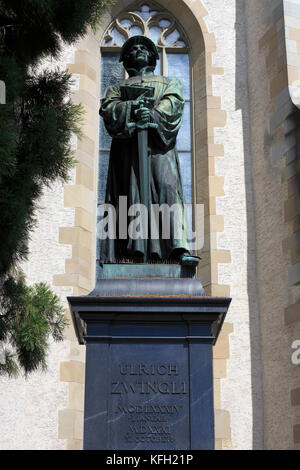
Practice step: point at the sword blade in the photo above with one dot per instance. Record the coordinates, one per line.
(144, 176)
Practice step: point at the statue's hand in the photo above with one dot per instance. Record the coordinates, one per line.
(142, 115)
(143, 102)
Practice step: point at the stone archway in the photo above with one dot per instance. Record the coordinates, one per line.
(81, 196)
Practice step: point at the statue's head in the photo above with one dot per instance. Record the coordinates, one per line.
(138, 52)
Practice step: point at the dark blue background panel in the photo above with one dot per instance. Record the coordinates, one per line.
(149, 386)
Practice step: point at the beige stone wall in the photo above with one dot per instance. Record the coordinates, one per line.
(81, 196)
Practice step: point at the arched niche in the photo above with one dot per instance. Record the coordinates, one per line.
(206, 111)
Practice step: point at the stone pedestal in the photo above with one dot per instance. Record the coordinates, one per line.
(149, 381)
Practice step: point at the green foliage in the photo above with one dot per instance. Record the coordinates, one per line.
(8, 364)
(30, 315)
(36, 125)
(35, 28)
(36, 152)
(38, 120)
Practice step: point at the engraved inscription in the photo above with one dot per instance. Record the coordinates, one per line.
(153, 421)
(148, 369)
(145, 388)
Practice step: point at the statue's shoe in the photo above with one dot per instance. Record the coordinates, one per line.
(188, 260)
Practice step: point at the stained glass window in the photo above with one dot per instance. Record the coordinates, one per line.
(111, 72)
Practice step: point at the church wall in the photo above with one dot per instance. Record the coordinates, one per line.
(29, 407)
(71, 270)
(292, 310)
(272, 48)
(244, 184)
(72, 266)
(241, 388)
(206, 100)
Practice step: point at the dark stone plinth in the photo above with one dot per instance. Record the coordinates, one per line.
(149, 381)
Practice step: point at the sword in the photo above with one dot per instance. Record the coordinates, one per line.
(144, 173)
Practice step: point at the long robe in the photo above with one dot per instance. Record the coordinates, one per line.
(123, 173)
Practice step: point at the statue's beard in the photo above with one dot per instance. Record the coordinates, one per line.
(134, 67)
(138, 64)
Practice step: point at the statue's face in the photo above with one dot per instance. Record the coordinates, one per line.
(139, 55)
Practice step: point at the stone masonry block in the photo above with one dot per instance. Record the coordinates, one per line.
(220, 368)
(79, 196)
(221, 349)
(78, 267)
(83, 69)
(84, 220)
(74, 444)
(72, 280)
(75, 235)
(66, 422)
(89, 85)
(222, 424)
(216, 184)
(87, 145)
(72, 372)
(220, 290)
(85, 176)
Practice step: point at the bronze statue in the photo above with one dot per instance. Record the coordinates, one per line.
(143, 115)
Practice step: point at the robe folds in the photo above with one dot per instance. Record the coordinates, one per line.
(123, 173)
